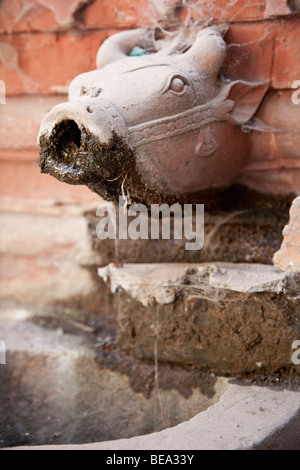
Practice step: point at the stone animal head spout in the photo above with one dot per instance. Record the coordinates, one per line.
(162, 123)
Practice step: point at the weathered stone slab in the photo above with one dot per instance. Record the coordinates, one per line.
(224, 317)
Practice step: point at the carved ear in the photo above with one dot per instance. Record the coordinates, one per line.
(247, 97)
(208, 52)
(120, 45)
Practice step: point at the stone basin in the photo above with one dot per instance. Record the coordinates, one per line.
(56, 389)
(57, 393)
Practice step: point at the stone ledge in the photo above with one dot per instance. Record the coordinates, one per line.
(160, 283)
(222, 317)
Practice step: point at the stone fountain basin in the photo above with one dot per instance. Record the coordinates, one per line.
(55, 390)
(55, 394)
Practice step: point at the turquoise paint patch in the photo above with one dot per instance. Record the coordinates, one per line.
(137, 52)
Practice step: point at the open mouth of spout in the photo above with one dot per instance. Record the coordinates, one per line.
(70, 151)
(66, 153)
(73, 155)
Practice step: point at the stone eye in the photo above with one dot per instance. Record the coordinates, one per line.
(177, 85)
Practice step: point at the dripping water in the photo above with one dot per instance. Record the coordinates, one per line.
(158, 406)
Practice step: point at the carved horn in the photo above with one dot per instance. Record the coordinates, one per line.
(120, 45)
(208, 52)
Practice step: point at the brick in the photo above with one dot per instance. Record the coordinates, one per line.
(55, 15)
(286, 68)
(121, 14)
(38, 15)
(238, 10)
(52, 238)
(274, 163)
(47, 63)
(64, 11)
(21, 119)
(20, 178)
(27, 280)
(250, 48)
(277, 8)
(288, 258)
(19, 15)
(265, 51)
(41, 257)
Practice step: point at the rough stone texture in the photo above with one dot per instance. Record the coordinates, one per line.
(54, 389)
(225, 317)
(234, 216)
(46, 255)
(161, 284)
(56, 229)
(246, 418)
(288, 258)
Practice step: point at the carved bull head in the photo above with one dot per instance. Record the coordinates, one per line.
(153, 126)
